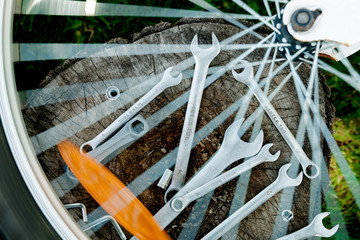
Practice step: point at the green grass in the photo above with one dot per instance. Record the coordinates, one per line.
(347, 134)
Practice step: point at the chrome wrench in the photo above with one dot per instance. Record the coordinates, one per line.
(132, 131)
(314, 229)
(231, 150)
(281, 182)
(203, 57)
(305, 162)
(179, 203)
(167, 81)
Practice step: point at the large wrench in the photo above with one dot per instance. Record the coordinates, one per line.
(305, 162)
(281, 182)
(179, 203)
(203, 57)
(167, 81)
(315, 228)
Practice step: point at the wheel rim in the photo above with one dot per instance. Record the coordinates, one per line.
(352, 79)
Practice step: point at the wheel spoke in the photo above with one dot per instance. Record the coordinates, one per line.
(78, 8)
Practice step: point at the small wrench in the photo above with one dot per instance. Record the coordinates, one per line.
(281, 182)
(179, 203)
(314, 229)
(167, 81)
(133, 130)
(203, 57)
(231, 150)
(280, 125)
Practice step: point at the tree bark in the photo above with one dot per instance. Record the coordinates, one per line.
(164, 138)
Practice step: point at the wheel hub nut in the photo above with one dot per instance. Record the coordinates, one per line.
(303, 19)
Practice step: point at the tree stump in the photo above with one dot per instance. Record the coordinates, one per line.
(99, 73)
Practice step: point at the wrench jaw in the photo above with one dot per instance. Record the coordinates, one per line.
(266, 154)
(205, 54)
(238, 148)
(169, 80)
(285, 180)
(171, 191)
(246, 76)
(318, 227)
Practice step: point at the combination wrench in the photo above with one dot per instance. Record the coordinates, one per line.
(314, 229)
(179, 203)
(132, 131)
(305, 162)
(281, 182)
(203, 58)
(167, 81)
(231, 150)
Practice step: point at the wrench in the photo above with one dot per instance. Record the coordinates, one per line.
(203, 57)
(315, 228)
(231, 150)
(281, 182)
(133, 130)
(179, 203)
(167, 81)
(305, 162)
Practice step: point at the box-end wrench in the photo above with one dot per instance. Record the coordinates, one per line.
(305, 162)
(281, 182)
(179, 203)
(132, 131)
(167, 81)
(314, 229)
(203, 58)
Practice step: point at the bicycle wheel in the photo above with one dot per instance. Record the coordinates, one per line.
(98, 83)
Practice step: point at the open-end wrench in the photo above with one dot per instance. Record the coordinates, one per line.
(305, 162)
(179, 203)
(167, 81)
(315, 229)
(132, 131)
(281, 182)
(203, 57)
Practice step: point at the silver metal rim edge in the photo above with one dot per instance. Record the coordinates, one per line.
(19, 141)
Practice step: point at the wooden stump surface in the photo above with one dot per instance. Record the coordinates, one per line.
(98, 72)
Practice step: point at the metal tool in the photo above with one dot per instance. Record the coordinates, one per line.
(78, 205)
(305, 162)
(203, 57)
(231, 150)
(314, 229)
(103, 219)
(133, 130)
(167, 81)
(179, 203)
(281, 182)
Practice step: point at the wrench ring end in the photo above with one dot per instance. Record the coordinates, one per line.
(307, 169)
(178, 204)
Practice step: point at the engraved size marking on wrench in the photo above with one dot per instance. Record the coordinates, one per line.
(167, 81)
(280, 125)
(203, 58)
